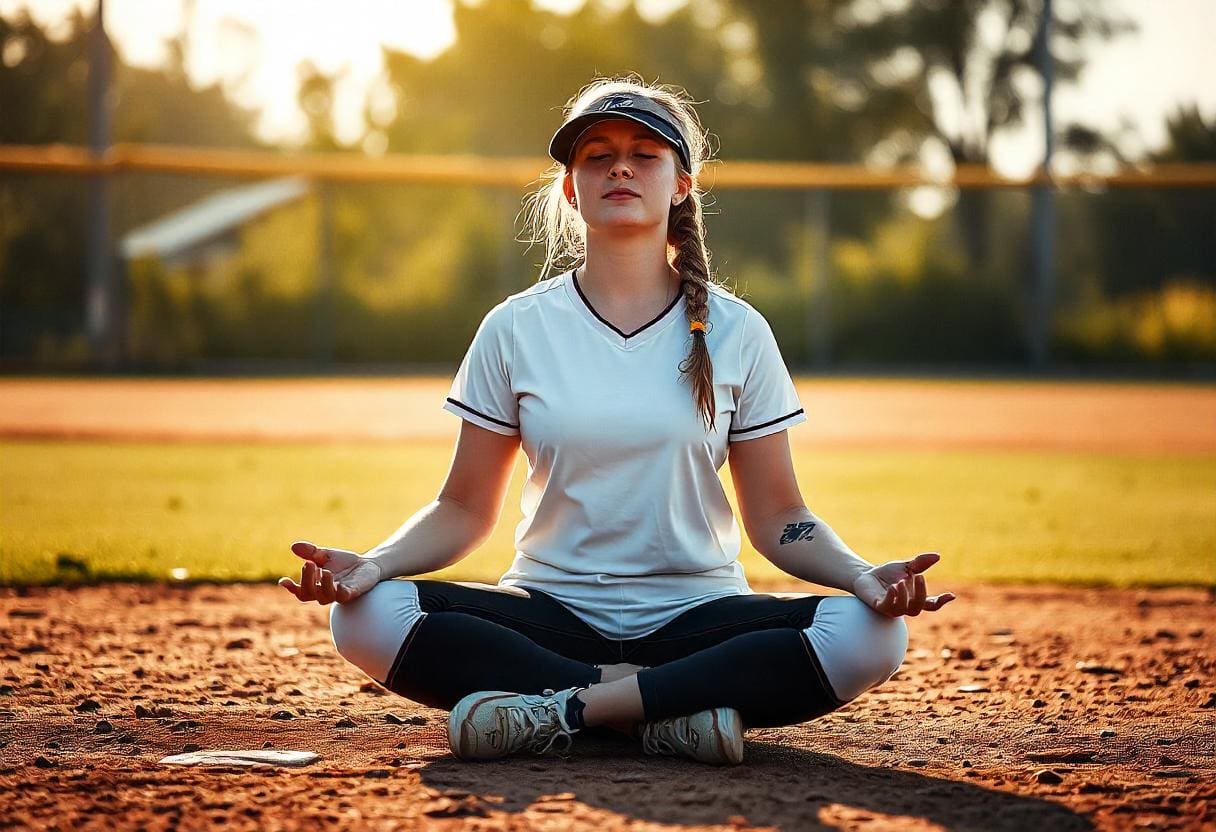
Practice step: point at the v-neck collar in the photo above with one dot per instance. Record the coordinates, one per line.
(625, 340)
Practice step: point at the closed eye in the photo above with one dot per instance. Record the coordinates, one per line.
(605, 156)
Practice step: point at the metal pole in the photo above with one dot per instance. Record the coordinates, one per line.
(1043, 218)
(323, 321)
(818, 220)
(100, 311)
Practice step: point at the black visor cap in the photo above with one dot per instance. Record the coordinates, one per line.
(637, 108)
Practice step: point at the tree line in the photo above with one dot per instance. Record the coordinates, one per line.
(415, 267)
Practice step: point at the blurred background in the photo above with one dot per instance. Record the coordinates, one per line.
(193, 186)
(243, 247)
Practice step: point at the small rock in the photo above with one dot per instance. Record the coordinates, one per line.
(1099, 669)
(185, 725)
(88, 706)
(377, 773)
(6, 690)
(1048, 776)
(143, 713)
(103, 727)
(191, 746)
(886, 746)
(268, 744)
(1168, 634)
(43, 762)
(282, 715)
(1168, 761)
(400, 744)
(966, 653)
(345, 722)
(974, 688)
(918, 762)
(1106, 732)
(240, 644)
(966, 764)
(1191, 683)
(393, 719)
(1038, 703)
(1211, 703)
(1165, 741)
(55, 744)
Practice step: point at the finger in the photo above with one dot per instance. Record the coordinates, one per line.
(883, 602)
(917, 602)
(901, 597)
(310, 552)
(290, 585)
(308, 581)
(939, 601)
(328, 591)
(923, 561)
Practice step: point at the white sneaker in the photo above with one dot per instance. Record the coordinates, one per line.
(714, 736)
(496, 723)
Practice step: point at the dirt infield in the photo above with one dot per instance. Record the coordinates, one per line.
(1079, 416)
(1091, 709)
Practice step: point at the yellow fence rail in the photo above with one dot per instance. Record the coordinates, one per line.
(520, 172)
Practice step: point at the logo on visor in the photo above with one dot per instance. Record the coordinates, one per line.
(616, 102)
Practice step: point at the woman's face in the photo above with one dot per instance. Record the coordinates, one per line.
(620, 153)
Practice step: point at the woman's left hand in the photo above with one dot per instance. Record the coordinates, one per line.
(898, 588)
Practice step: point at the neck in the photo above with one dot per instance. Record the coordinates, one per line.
(622, 273)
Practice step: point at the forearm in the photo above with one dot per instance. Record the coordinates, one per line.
(801, 544)
(437, 535)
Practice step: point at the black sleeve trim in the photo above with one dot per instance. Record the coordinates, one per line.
(482, 415)
(769, 422)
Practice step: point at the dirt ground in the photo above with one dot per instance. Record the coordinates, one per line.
(1018, 708)
(1142, 417)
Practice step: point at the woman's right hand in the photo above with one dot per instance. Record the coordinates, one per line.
(330, 575)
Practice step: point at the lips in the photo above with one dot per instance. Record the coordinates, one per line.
(620, 192)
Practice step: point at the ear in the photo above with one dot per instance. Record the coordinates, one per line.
(683, 187)
(568, 187)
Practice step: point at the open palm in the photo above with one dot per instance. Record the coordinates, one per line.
(898, 587)
(330, 575)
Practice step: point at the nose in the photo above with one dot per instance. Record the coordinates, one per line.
(620, 169)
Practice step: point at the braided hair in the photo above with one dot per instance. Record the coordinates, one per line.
(551, 220)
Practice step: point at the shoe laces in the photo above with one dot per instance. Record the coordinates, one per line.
(535, 726)
(669, 736)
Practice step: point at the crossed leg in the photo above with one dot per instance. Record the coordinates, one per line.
(778, 659)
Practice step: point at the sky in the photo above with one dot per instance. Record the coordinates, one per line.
(254, 48)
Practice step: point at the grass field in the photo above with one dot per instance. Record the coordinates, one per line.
(228, 511)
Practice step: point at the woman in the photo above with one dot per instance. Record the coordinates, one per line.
(626, 380)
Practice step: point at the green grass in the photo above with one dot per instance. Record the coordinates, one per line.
(229, 511)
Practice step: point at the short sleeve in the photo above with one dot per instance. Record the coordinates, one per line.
(768, 401)
(481, 392)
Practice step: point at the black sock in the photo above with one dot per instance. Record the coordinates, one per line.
(574, 713)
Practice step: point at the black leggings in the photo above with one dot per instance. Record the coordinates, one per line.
(750, 652)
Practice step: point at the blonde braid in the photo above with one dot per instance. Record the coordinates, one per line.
(687, 235)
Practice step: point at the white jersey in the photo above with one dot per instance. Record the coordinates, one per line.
(625, 519)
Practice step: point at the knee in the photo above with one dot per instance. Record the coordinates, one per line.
(368, 631)
(858, 647)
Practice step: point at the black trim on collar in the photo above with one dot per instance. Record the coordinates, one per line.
(482, 415)
(605, 322)
(766, 424)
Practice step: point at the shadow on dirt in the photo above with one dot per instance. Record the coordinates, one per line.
(777, 786)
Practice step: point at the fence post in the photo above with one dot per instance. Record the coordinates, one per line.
(1042, 295)
(323, 318)
(100, 297)
(818, 234)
